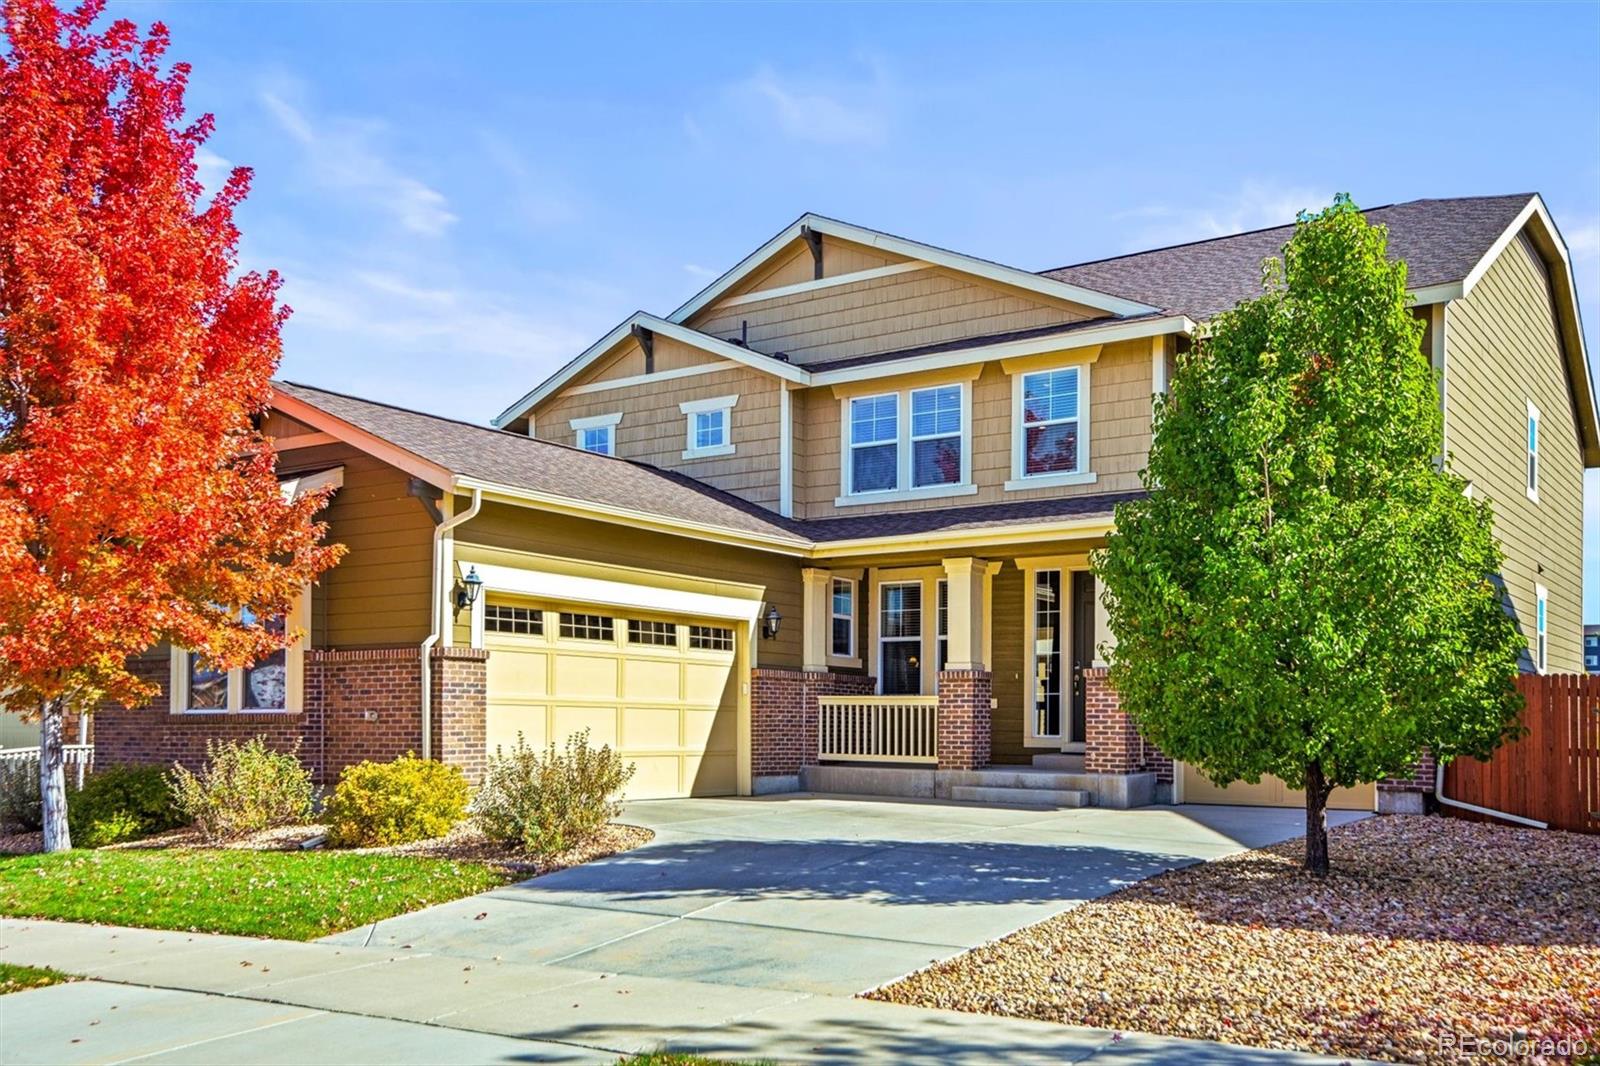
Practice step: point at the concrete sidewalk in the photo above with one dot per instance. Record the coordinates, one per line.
(181, 997)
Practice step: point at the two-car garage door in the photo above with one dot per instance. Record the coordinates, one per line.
(660, 690)
(1270, 792)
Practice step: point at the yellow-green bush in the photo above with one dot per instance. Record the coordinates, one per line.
(547, 802)
(381, 803)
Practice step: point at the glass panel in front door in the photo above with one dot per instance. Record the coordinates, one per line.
(1047, 653)
(900, 636)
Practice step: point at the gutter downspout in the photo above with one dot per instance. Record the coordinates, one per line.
(1438, 794)
(437, 618)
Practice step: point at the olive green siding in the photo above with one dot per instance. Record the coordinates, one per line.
(378, 593)
(519, 529)
(1502, 351)
(1011, 689)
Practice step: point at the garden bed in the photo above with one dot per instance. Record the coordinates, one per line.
(1428, 931)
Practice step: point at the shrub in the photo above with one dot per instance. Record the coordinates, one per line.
(243, 788)
(382, 803)
(19, 796)
(547, 802)
(121, 803)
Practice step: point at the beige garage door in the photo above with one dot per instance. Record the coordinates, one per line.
(659, 690)
(1271, 792)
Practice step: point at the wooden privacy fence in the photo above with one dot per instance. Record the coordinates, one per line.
(1552, 773)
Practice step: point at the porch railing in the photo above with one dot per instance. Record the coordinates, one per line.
(901, 729)
(79, 759)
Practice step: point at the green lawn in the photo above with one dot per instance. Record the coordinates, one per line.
(288, 895)
(14, 978)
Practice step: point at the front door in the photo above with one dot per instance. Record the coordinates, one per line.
(900, 638)
(1082, 647)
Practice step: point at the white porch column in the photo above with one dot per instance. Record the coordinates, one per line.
(816, 588)
(966, 577)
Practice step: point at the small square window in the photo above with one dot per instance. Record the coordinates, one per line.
(710, 638)
(596, 439)
(586, 627)
(656, 634)
(519, 621)
(710, 429)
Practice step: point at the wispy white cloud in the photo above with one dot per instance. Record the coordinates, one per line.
(538, 197)
(341, 155)
(1583, 240)
(1256, 204)
(824, 110)
(211, 170)
(698, 272)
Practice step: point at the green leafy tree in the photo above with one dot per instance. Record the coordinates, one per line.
(1307, 591)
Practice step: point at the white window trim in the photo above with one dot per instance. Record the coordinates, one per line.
(833, 616)
(1020, 478)
(294, 672)
(920, 639)
(690, 408)
(1534, 422)
(606, 422)
(1541, 629)
(903, 466)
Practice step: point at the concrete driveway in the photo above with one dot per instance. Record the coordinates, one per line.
(819, 894)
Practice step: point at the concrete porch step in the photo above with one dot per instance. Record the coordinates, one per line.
(1023, 777)
(1023, 797)
(1067, 761)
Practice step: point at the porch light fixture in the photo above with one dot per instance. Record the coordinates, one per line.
(771, 622)
(467, 591)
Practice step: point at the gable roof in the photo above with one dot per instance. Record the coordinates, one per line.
(1057, 288)
(460, 456)
(1440, 240)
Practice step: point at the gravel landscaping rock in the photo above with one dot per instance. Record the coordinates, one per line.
(1428, 932)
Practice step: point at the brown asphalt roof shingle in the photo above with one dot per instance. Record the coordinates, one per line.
(1440, 240)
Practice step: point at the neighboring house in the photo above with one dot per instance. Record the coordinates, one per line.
(15, 733)
(828, 523)
(1591, 649)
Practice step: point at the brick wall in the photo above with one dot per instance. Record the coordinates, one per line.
(965, 698)
(358, 704)
(783, 715)
(1421, 779)
(1112, 744)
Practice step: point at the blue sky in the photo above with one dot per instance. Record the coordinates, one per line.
(462, 197)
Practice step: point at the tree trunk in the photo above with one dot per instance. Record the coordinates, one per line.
(1317, 790)
(53, 777)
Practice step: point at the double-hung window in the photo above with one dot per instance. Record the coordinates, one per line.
(597, 434)
(1533, 453)
(874, 462)
(1051, 431)
(842, 639)
(708, 426)
(936, 436)
(271, 684)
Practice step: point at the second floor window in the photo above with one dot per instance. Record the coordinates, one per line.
(1533, 453)
(936, 436)
(597, 434)
(875, 443)
(1051, 437)
(709, 426)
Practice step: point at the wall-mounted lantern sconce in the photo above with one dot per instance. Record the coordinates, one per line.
(467, 590)
(771, 622)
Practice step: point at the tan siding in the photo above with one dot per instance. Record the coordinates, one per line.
(517, 529)
(1503, 350)
(1119, 438)
(281, 425)
(794, 265)
(887, 314)
(378, 593)
(654, 430)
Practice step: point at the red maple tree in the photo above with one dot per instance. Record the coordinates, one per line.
(138, 498)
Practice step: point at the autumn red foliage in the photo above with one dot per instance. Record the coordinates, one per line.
(138, 499)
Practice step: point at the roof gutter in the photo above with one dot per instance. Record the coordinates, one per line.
(437, 616)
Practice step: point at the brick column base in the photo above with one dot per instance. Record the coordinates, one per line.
(1113, 744)
(965, 699)
(783, 716)
(460, 698)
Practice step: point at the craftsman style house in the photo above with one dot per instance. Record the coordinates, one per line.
(827, 524)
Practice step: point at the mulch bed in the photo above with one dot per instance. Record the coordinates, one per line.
(1428, 932)
(463, 844)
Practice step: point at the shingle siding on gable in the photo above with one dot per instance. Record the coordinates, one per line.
(884, 315)
(795, 266)
(1503, 351)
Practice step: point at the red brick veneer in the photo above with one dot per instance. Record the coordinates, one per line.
(965, 700)
(783, 715)
(1113, 744)
(358, 704)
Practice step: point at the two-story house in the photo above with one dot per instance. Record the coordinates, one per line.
(828, 523)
